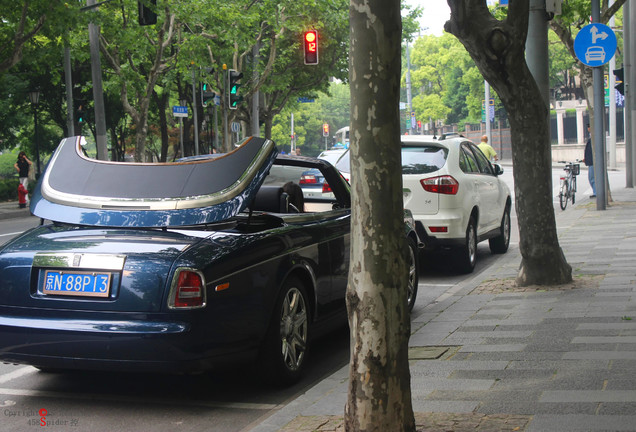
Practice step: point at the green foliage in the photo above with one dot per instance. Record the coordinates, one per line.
(9, 189)
(332, 108)
(7, 162)
(446, 83)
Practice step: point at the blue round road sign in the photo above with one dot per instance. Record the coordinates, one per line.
(595, 44)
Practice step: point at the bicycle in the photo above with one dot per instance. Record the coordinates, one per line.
(567, 189)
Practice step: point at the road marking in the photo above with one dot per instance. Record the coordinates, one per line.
(17, 374)
(11, 234)
(141, 399)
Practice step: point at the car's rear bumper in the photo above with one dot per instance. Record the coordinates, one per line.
(131, 346)
(454, 223)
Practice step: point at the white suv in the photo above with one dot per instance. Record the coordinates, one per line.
(455, 195)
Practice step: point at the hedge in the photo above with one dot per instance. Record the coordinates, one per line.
(9, 189)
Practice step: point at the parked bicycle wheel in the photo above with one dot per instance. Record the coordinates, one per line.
(563, 195)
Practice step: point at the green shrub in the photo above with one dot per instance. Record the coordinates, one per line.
(9, 189)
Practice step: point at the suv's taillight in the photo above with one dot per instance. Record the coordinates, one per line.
(446, 185)
(188, 290)
(326, 188)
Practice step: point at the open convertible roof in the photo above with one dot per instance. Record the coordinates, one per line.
(77, 189)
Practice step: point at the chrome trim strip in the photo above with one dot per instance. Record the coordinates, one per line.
(96, 326)
(80, 260)
(187, 202)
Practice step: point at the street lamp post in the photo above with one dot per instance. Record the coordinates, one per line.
(34, 96)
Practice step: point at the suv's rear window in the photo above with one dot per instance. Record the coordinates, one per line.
(423, 159)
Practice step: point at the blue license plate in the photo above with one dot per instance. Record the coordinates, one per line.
(77, 283)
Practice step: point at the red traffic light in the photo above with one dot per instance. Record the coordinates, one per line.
(310, 44)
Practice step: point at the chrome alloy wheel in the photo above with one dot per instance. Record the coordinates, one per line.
(413, 279)
(471, 245)
(293, 329)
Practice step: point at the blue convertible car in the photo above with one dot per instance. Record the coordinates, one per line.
(177, 267)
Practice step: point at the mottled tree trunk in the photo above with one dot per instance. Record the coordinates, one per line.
(498, 49)
(379, 396)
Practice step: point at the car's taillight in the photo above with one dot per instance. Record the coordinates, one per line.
(438, 229)
(308, 179)
(446, 185)
(326, 188)
(188, 290)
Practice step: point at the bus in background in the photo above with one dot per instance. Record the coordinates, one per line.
(342, 136)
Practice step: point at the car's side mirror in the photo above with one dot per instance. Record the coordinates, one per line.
(498, 169)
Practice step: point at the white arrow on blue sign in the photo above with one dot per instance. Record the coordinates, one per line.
(595, 44)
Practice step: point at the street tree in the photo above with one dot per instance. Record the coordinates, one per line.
(139, 57)
(576, 13)
(498, 49)
(22, 20)
(379, 396)
(286, 78)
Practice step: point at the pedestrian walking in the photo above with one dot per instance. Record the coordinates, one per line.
(588, 159)
(487, 149)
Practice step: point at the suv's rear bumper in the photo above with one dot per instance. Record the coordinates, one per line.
(455, 235)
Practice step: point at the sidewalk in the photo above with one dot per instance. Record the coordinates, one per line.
(488, 357)
(11, 210)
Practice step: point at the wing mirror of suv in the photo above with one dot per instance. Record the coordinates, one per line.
(498, 169)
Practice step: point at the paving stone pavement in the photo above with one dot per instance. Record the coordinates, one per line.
(540, 359)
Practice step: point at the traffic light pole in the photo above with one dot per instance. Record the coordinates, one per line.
(627, 117)
(630, 87)
(194, 110)
(68, 80)
(255, 102)
(226, 107)
(98, 92)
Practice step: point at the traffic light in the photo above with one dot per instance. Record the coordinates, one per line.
(80, 113)
(147, 15)
(325, 129)
(620, 85)
(310, 44)
(233, 97)
(207, 95)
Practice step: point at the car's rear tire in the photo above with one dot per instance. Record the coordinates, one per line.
(499, 244)
(414, 274)
(284, 352)
(466, 255)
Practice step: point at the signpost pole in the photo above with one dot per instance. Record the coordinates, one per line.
(599, 130)
(595, 45)
(181, 135)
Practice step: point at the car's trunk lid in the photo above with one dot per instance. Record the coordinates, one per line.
(91, 269)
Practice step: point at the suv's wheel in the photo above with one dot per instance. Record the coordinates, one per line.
(466, 255)
(284, 351)
(413, 273)
(499, 244)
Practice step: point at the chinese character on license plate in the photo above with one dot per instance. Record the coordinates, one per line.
(89, 284)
